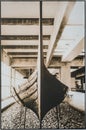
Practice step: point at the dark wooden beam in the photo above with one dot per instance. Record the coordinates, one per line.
(26, 21)
(23, 37)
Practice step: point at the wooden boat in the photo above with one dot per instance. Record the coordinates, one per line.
(52, 93)
(43, 91)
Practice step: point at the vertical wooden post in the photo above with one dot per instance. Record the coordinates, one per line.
(40, 61)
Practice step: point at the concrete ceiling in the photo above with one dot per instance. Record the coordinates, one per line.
(63, 30)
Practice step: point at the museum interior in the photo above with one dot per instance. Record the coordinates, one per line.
(42, 64)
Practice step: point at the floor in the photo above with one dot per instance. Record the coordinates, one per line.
(65, 117)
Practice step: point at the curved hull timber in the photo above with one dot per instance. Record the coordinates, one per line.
(53, 93)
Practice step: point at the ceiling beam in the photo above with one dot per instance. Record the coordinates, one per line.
(23, 42)
(25, 30)
(59, 24)
(24, 53)
(23, 50)
(22, 67)
(26, 21)
(25, 56)
(25, 63)
(23, 37)
(56, 62)
(22, 47)
(73, 52)
(25, 68)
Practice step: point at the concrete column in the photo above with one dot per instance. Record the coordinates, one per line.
(10, 81)
(73, 82)
(65, 74)
(5, 58)
(14, 78)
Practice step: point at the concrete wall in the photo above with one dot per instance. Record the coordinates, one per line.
(9, 77)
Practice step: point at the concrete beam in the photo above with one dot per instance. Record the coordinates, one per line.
(78, 62)
(56, 62)
(23, 47)
(24, 56)
(23, 42)
(23, 37)
(73, 52)
(22, 68)
(23, 53)
(26, 21)
(59, 24)
(25, 30)
(26, 63)
(23, 50)
(23, 63)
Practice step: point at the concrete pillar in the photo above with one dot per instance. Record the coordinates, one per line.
(10, 81)
(5, 58)
(13, 77)
(65, 74)
(73, 82)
